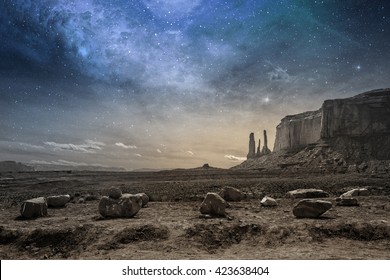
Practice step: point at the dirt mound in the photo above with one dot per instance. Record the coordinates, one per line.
(8, 236)
(59, 242)
(214, 236)
(136, 234)
(142, 233)
(357, 231)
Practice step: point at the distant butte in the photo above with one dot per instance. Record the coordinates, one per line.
(344, 135)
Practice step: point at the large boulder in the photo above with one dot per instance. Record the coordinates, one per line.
(311, 208)
(34, 208)
(307, 193)
(213, 205)
(144, 199)
(231, 194)
(58, 200)
(114, 193)
(347, 201)
(126, 206)
(268, 202)
(356, 192)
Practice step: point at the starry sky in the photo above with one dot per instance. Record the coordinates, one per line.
(175, 83)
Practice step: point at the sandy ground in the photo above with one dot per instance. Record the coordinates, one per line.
(170, 227)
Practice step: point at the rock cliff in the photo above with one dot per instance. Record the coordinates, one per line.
(343, 135)
(358, 127)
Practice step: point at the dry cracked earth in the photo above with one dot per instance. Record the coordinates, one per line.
(170, 227)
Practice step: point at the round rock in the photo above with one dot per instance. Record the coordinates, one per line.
(144, 197)
(34, 208)
(58, 200)
(307, 193)
(114, 193)
(231, 194)
(347, 201)
(356, 192)
(213, 205)
(311, 208)
(268, 202)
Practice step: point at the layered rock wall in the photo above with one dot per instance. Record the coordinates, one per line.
(358, 127)
(298, 131)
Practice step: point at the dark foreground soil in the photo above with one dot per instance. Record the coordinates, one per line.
(170, 227)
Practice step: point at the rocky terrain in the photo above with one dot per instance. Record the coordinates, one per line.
(171, 225)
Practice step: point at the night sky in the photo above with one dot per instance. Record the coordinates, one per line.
(175, 83)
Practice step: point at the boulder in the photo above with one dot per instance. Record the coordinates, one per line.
(311, 208)
(114, 192)
(213, 205)
(356, 192)
(347, 201)
(34, 208)
(144, 199)
(58, 200)
(307, 193)
(268, 202)
(126, 206)
(231, 194)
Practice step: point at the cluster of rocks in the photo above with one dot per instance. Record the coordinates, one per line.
(37, 207)
(310, 205)
(115, 205)
(118, 205)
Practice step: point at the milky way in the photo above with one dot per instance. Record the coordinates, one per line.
(175, 83)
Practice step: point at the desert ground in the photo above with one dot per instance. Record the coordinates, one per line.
(170, 227)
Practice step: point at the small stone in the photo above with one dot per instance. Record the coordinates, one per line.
(34, 208)
(356, 192)
(213, 204)
(307, 193)
(114, 193)
(58, 200)
(268, 202)
(231, 194)
(347, 201)
(311, 208)
(144, 198)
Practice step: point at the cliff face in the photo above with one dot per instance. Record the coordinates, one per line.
(358, 127)
(362, 115)
(298, 131)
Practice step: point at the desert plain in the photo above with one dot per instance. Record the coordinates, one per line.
(171, 226)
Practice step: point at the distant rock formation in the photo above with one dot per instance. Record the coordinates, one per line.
(13, 166)
(344, 135)
(358, 127)
(258, 152)
(265, 150)
(252, 146)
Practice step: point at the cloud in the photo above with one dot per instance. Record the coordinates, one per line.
(279, 74)
(30, 146)
(89, 147)
(235, 158)
(119, 144)
(64, 163)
